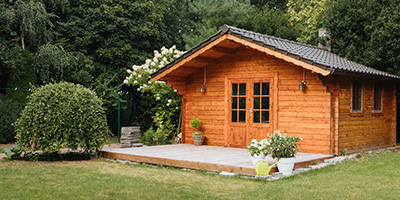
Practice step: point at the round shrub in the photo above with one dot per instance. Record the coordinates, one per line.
(62, 115)
(9, 113)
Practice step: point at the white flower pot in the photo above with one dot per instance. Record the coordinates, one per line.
(256, 158)
(286, 165)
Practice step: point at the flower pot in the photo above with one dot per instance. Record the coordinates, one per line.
(286, 165)
(256, 158)
(198, 139)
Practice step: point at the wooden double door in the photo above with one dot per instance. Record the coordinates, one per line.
(251, 109)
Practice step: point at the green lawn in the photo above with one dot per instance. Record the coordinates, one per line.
(376, 176)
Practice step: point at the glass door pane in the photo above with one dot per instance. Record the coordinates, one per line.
(238, 103)
(261, 101)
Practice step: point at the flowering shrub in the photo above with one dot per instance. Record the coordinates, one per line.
(282, 146)
(257, 147)
(167, 102)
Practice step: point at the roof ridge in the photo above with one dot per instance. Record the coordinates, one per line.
(277, 38)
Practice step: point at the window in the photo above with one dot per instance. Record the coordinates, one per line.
(261, 103)
(377, 97)
(238, 107)
(356, 96)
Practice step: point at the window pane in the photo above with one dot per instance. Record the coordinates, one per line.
(265, 88)
(242, 88)
(242, 116)
(256, 117)
(242, 102)
(265, 103)
(356, 96)
(256, 102)
(234, 89)
(256, 88)
(234, 103)
(234, 116)
(265, 117)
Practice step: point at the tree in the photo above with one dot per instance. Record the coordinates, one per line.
(273, 22)
(307, 17)
(366, 32)
(160, 100)
(29, 20)
(210, 15)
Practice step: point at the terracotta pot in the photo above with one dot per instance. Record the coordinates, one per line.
(198, 139)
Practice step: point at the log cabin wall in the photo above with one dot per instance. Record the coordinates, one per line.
(368, 129)
(306, 114)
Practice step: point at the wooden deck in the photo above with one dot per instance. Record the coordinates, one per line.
(210, 158)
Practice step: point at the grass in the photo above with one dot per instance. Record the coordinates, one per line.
(374, 176)
(2, 146)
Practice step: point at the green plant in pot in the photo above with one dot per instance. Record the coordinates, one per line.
(284, 149)
(198, 137)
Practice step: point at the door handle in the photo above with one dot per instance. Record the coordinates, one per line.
(251, 112)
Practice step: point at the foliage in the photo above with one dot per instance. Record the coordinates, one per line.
(195, 122)
(273, 22)
(62, 115)
(151, 137)
(366, 32)
(53, 63)
(235, 13)
(29, 20)
(9, 114)
(282, 146)
(256, 147)
(21, 75)
(163, 101)
(272, 4)
(307, 16)
(197, 133)
(13, 152)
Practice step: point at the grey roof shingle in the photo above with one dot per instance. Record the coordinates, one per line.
(307, 53)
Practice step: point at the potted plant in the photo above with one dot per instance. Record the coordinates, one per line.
(283, 148)
(198, 137)
(258, 149)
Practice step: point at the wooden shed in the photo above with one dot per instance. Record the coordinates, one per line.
(242, 85)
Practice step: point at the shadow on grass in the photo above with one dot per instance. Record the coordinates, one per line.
(70, 156)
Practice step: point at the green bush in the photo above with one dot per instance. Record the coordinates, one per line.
(195, 123)
(62, 115)
(9, 113)
(151, 137)
(13, 152)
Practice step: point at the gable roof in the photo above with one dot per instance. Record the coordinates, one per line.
(312, 55)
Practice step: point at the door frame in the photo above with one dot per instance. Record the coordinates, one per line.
(274, 110)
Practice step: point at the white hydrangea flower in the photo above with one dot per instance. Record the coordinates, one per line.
(157, 98)
(149, 82)
(126, 81)
(169, 100)
(135, 82)
(139, 76)
(129, 71)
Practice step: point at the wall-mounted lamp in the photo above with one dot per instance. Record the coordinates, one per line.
(203, 87)
(302, 85)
